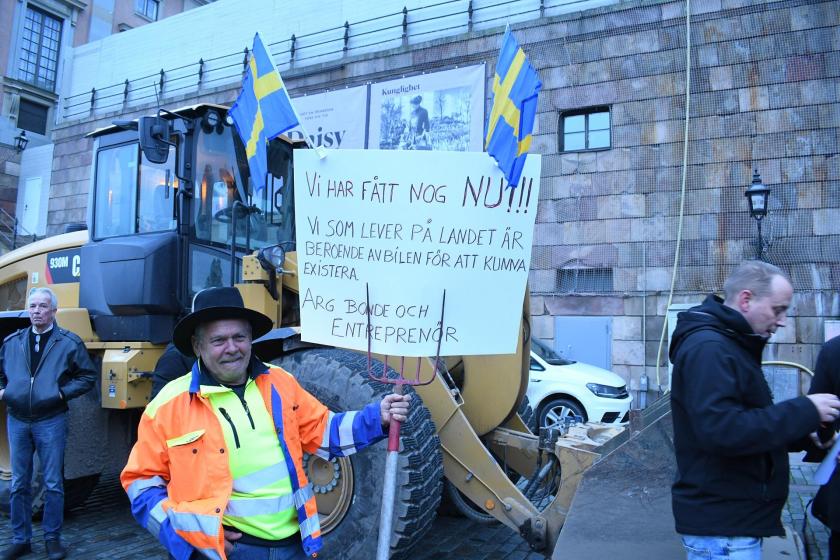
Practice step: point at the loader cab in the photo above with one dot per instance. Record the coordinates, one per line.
(172, 211)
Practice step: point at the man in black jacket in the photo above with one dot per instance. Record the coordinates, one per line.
(731, 441)
(171, 365)
(826, 506)
(41, 368)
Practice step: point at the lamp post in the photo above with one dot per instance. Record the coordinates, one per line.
(21, 141)
(757, 195)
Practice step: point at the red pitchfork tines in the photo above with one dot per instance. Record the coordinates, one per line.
(400, 379)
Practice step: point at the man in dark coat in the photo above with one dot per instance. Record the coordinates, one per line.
(41, 368)
(826, 506)
(731, 441)
(171, 365)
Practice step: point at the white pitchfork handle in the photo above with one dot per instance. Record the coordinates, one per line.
(386, 513)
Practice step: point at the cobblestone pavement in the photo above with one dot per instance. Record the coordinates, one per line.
(801, 493)
(104, 529)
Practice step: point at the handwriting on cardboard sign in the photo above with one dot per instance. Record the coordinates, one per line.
(487, 191)
(377, 250)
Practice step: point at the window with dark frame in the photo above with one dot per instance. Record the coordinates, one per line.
(39, 49)
(147, 8)
(584, 280)
(32, 116)
(585, 129)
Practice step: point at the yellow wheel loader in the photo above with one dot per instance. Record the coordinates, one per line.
(171, 212)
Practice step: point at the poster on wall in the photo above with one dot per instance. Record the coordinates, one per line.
(382, 236)
(333, 119)
(439, 111)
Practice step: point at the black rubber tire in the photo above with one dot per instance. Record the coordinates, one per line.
(338, 378)
(76, 492)
(527, 414)
(572, 407)
(465, 507)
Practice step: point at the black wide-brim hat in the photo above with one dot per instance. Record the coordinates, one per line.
(215, 304)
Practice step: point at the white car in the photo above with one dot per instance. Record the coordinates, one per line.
(561, 388)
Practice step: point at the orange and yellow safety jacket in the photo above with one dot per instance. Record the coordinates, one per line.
(178, 476)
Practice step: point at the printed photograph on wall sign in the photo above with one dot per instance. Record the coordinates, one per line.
(440, 111)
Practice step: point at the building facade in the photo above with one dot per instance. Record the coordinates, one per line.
(37, 39)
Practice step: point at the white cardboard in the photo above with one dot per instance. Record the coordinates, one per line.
(408, 225)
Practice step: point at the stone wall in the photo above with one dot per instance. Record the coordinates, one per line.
(764, 96)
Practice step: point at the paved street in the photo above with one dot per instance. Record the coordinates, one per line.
(104, 529)
(801, 493)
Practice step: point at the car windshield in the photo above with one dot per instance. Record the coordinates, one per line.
(547, 354)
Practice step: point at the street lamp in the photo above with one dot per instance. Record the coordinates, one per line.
(21, 141)
(757, 196)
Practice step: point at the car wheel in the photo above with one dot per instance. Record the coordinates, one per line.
(554, 411)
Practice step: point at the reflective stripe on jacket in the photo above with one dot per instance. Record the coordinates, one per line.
(178, 476)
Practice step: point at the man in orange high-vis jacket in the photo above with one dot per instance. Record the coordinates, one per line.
(217, 470)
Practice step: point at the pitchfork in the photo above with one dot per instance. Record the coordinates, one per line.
(390, 482)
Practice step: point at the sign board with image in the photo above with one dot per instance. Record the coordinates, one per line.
(391, 231)
(439, 111)
(333, 119)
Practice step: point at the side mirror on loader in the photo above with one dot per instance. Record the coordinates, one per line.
(154, 138)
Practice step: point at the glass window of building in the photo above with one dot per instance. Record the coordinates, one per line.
(32, 116)
(585, 129)
(39, 49)
(147, 8)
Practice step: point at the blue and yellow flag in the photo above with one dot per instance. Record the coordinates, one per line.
(511, 121)
(262, 111)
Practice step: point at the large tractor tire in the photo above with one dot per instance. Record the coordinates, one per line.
(349, 490)
(528, 416)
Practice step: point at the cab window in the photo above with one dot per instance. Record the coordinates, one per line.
(223, 180)
(132, 195)
(219, 187)
(116, 186)
(156, 196)
(224, 193)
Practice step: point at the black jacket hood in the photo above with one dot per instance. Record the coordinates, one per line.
(713, 314)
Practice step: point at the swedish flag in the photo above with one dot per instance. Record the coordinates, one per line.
(262, 111)
(515, 89)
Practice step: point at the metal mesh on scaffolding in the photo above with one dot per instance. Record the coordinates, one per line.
(763, 97)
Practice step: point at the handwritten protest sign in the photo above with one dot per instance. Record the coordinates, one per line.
(407, 225)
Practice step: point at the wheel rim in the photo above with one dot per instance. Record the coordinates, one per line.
(556, 414)
(332, 482)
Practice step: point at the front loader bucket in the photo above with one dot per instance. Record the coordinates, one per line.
(622, 507)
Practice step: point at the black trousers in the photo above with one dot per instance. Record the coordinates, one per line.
(834, 546)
